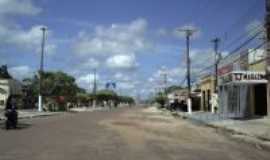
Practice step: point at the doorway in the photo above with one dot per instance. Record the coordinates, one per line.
(260, 100)
(208, 100)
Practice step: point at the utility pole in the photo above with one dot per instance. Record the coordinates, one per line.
(165, 83)
(188, 33)
(217, 58)
(165, 77)
(267, 28)
(43, 29)
(95, 87)
(95, 82)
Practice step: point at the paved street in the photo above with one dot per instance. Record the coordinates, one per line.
(123, 134)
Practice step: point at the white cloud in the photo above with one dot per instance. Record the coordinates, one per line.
(126, 86)
(116, 39)
(174, 75)
(200, 59)
(122, 77)
(125, 62)
(18, 7)
(90, 63)
(86, 81)
(21, 72)
(29, 40)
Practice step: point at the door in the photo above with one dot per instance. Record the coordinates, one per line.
(260, 100)
(203, 101)
(208, 100)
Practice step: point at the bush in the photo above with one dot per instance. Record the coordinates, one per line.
(161, 100)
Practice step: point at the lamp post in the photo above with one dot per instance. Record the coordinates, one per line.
(43, 29)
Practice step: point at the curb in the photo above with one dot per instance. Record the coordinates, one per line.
(258, 141)
(34, 116)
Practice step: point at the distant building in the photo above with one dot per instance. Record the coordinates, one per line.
(178, 95)
(181, 95)
(8, 86)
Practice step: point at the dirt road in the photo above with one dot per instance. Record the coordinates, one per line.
(123, 134)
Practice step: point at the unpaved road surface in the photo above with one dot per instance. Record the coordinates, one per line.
(123, 134)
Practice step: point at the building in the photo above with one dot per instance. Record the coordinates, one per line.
(242, 85)
(178, 95)
(8, 86)
(181, 96)
(207, 86)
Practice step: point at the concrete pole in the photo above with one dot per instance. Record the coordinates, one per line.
(267, 27)
(40, 104)
(95, 89)
(188, 33)
(217, 58)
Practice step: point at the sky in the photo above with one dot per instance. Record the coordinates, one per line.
(130, 42)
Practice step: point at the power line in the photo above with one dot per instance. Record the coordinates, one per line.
(243, 44)
(240, 19)
(242, 36)
(247, 53)
(242, 55)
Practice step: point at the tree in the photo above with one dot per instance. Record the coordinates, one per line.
(161, 99)
(106, 95)
(55, 85)
(126, 99)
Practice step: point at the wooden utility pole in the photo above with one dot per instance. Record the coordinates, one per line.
(217, 58)
(267, 28)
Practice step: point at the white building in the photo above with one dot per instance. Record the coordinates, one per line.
(8, 87)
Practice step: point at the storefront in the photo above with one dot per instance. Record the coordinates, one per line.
(243, 93)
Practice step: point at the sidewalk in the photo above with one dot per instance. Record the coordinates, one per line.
(23, 114)
(87, 109)
(255, 131)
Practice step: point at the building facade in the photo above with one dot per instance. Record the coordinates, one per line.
(242, 86)
(8, 86)
(207, 90)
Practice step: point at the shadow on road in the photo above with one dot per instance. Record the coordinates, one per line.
(19, 126)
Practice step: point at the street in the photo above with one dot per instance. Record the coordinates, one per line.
(121, 134)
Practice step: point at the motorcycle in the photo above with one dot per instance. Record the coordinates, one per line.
(11, 118)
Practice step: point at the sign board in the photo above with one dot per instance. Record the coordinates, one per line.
(244, 77)
(225, 69)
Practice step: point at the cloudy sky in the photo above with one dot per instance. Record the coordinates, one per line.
(130, 42)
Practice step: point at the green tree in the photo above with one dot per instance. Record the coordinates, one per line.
(106, 95)
(126, 99)
(55, 84)
(161, 99)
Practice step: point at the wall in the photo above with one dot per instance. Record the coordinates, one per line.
(207, 83)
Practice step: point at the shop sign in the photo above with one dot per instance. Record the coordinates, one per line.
(225, 69)
(244, 77)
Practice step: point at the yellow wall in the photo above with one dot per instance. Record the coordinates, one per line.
(207, 83)
(258, 66)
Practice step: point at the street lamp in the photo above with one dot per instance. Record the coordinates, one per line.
(43, 29)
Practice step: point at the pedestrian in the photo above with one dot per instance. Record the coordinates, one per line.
(11, 113)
